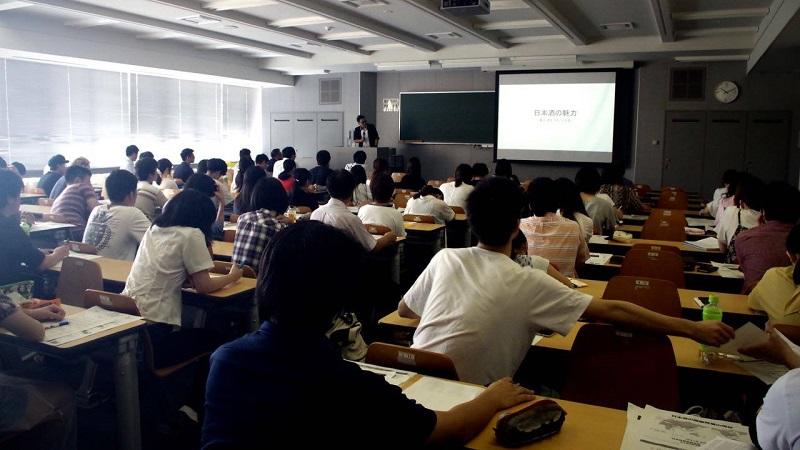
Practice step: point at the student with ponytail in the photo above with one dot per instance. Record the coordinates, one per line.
(456, 192)
(778, 292)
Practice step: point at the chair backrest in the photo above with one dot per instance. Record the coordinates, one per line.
(654, 264)
(657, 248)
(77, 275)
(224, 267)
(398, 176)
(302, 209)
(229, 235)
(664, 229)
(44, 201)
(401, 200)
(404, 358)
(81, 247)
(656, 295)
(792, 332)
(110, 301)
(402, 191)
(458, 210)
(670, 199)
(642, 189)
(379, 230)
(234, 218)
(435, 183)
(610, 368)
(419, 218)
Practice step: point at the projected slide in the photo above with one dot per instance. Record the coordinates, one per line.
(565, 116)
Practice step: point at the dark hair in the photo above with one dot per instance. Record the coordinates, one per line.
(55, 161)
(245, 152)
(359, 174)
(463, 174)
(588, 180)
(320, 249)
(360, 157)
(568, 199)
(120, 183)
(275, 153)
(541, 196)
(131, 150)
(493, 210)
(288, 152)
(382, 188)
(76, 172)
(301, 177)
(379, 165)
(750, 192)
(519, 245)
(429, 190)
(145, 167)
(164, 165)
(21, 170)
(341, 184)
(781, 202)
(414, 167)
(185, 153)
(323, 158)
(288, 166)
(202, 183)
(269, 194)
(480, 170)
(144, 155)
(613, 174)
(189, 208)
(793, 247)
(261, 158)
(244, 165)
(252, 176)
(731, 177)
(202, 166)
(359, 117)
(217, 165)
(502, 168)
(10, 186)
(3, 164)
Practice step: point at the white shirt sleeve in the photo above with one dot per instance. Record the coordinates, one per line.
(778, 422)
(554, 306)
(360, 234)
(417, 296)
(195, 254)
(138, 225)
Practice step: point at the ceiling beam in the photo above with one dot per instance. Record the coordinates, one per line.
(461, 23)
(300, 21)
(225, 5)
(718, 14)
(515, 25)
(505, 5)
(121, 16)
(717, 31)
(344, 16)
(259, 23)
(558, 21)
(780, 15)
(662, 15)
(7, 5)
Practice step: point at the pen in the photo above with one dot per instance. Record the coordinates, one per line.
(56, 325)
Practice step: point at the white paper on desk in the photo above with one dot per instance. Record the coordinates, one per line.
(44, 226)
(747, 334)
(77, 255)
(721, 443)
(86, 323)
(597, 239)
(599, 259)
(632, 428)
(795, 348)
(709, 243)
(635, 217)
(728, 270)
(441, 395)
(698, 222)
(577, 283)
(229, 226)
(767, 372)
(392, 376)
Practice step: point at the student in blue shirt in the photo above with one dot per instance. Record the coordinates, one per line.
(287, 386)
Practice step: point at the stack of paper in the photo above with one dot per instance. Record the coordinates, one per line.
(597, 239)
(699, 223)
(652, 428)
(709, 243)
(86, 323)
(441, 395)
(77, 255)
(45, 226)
(728, 270)
(392, 376)
(599, 259)
(749, 334)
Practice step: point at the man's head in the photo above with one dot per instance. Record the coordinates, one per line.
(77, 175)
(244, 153)
(121, 187)
(323, 158)
(144, 155)
(276, 154)
(588, 180)
(781, 203)
(288, 152)
(146, 169)
(216, 168)
(187, 155)
(361, 120)
(83, 162)
(382, 188)
(10, 188)
(493, 211)
(340, 185)
(302, 177)
(479, 171)
(360, 157)
(132, 152)
(164, 166)
(542, 196)
(19, 167)
(58, 164)
(262, 160)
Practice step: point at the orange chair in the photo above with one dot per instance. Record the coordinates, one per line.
(664, 229)
(657, 248)
(398, 176)
(401, 200)
(419, 218)
(378, 230)
(229, 235)
(234, 218)
(77, 275)
(435, 183)
(670, 199)
(81, 247)
(653, 264)
(404, 358)
(458, 210)
(656, 295)
(610, 368)
(642, 189)
(302, 209)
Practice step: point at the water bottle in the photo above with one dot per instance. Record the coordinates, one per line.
(711, 311)
(26, 227)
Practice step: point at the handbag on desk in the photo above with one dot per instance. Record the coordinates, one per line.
(345, 333)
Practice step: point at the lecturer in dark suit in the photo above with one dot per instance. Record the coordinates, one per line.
(365, 133)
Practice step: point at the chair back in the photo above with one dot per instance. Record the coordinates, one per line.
(401, 200)
(656, 295)
(419, 218)
(82, 247)
(302, 209)
(435, 183)
(378, 230)
(77, 275)
(229, 235)
(657, 248)
(398, 176)
(664, 228)
(673, 199)
(653, 264)
(234, 218)
(404, 358)
(458, 210)
(642, 189)
(110, 301)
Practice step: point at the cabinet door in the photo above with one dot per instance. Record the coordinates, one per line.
(684, 139)
(280, 130)
(305, 139)
(768, 140)
(724, 148)
(330, 131)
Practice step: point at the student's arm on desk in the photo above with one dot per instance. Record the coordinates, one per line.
(384, 241)
(773, 349)
(404, 311)
(25, 323)
(54, 258)
(553, 272)
(634, 316)
(466, 420)
(204, 283)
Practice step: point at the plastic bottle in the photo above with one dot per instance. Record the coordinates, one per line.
(26, 228)
(711, 311)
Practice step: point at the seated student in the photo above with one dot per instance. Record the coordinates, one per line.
(202, 167)
(184, 170)
(208, 187)
(486, 321)
(623, 196)
(429, 201)
(165, 170)
(382, 211)
(603, 213)
(61, 184)
(241, 204)
(570, 206)
(289, 154)
(261, 161)
(264, 377)
(456, 192)
(173, 251)
(413, 179)
(216, 170)
(361, 193)
(760, 248)
(359, 159)
(131, 155)
(319, 174)
(502, 168)
(58, 166)
(335, 213)
(301, 194)
(274, 156)
(743, 215)
(238, 180)
(286, 178)
(549, 235)
(728, 189)
(117, 228)
(149, 198)
(255, 228)
(379, 166)
(78, 200)
(519, 253)
(479, 172)
(778, 291)
(19, 168)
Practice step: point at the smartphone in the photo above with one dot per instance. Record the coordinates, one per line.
(706, 267)
(701, 301)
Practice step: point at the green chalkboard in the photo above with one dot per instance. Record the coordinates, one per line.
(451, 117)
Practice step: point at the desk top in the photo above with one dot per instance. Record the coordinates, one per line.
(685, 248)
(422, 227)
(25, 195)
(69, 309)
(38, 210)
(222, 249)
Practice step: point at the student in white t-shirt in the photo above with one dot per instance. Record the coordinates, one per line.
(149, 198)
(216, 170)
(359, 159)
(382, 211)
(456, 192)
(429, 201)
(117, 228)
(173, 251)
(744, 215)
(480, 308)
(165, 169)
(288, 153)
(361, 193)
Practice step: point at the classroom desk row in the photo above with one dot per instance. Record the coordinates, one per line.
(36, 210)
(600, 244)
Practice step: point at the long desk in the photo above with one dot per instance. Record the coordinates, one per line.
(36, 210)
(28, 198)
(603, 245)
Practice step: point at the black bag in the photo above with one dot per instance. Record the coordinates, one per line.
(535, 422)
